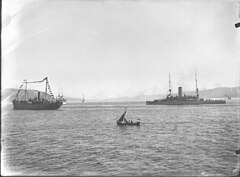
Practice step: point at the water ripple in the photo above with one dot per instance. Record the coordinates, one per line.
(85, 140)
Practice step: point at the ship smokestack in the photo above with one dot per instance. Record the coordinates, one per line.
(180, 92)
(39, 95)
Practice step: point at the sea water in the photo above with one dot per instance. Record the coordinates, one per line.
(84, 139)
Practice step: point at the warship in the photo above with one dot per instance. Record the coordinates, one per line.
(43, 101)
(183, 99)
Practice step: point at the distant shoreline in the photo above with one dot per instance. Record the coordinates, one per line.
(135, 101)
(217, 93)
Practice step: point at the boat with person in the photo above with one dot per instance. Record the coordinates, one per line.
(43, 100)
(183, 99)
(83, 99)
(236, 171)
(123, 121)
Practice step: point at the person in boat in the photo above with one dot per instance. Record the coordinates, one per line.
(236, 171)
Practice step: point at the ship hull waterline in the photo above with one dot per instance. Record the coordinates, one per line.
(185, 102)
(36, 106)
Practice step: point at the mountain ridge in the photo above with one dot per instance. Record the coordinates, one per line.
(220, 92)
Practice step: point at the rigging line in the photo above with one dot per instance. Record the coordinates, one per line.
(38, 81)
(20, 88)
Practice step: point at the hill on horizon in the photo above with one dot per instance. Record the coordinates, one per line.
(221, 92)
(9, 94)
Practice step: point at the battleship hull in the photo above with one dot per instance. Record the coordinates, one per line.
(179, 102)
(36, 106)
(183, 99)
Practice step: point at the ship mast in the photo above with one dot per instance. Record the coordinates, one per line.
(26, 93)
(45, 95)
(196, 83)
(62, 92)
(25, 90)
(83, 99)
(170, 85)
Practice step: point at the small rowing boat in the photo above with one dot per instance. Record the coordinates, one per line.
(123, 121)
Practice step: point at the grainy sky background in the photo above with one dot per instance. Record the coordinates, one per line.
(117, 48)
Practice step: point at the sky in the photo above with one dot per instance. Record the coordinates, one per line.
(104, 48)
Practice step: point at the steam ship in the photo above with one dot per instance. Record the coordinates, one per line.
(181, 99)
(43, 101)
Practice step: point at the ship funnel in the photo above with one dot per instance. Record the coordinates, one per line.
(39, 95)
(180, 92)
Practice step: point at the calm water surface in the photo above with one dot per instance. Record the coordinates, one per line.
(83, 139)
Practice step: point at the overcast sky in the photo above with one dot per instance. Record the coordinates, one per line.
(110, 48)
